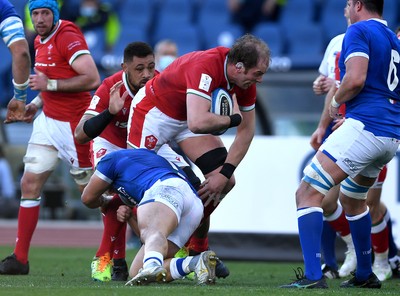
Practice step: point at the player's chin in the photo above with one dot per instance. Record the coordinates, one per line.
(246, 85)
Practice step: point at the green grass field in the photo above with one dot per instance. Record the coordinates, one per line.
(66, 271)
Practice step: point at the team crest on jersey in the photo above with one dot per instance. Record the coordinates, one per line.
(101, 153)
(150, 142)
(205, 82)
(49, 49)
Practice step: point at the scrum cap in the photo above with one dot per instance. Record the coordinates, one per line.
(50, 4)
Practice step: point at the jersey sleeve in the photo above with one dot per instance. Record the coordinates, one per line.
(105, 169)
(72, 44)
(101, 99)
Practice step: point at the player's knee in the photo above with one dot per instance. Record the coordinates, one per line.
(351, 189)
(211, 160)
(317, 177)
(81, 176)
(39, 159)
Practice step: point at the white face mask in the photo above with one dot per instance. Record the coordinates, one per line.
(164, 61)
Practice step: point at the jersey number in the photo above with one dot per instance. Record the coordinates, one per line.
(393, 80)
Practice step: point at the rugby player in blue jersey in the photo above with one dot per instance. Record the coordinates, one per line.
(168, 212)
(355, 153)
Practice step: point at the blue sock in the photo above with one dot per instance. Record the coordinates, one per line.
(392, 245)
(360, 226)
(310, 232)
(328, 245)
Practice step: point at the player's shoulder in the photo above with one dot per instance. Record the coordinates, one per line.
(113, 79)
(68, 27)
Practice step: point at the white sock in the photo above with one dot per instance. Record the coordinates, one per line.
(153, 258)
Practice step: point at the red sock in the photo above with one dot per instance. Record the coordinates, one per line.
(27, 220)
(112, 227)
(340, 224)
(380, 237)
(120, 244)
(198, 244)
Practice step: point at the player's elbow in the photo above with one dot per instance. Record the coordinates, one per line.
(96, 81)
(80, 136)
(87, 200)
(195, 126)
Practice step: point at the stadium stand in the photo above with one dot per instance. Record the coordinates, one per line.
(272, 34)
(137, 13)
(297, 12)
(332, 19)
(305, 46)
(391, 13)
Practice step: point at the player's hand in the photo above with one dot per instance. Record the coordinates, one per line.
(338, 123)
(38, 81)
(211, 189)
(15, 111)
(30, 112)
(124, 213)
(116, 101)
(316, 138)
(334, 113)
(317, 85)
(236, 109)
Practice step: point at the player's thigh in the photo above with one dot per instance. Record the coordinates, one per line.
(155, 217)
(194, 147)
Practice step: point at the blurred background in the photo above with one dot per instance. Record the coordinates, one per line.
(297, 32)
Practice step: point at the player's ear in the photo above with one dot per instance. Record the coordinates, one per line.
(239, 65)
(124, 67)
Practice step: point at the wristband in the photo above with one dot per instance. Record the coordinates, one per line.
(20, 92)
(37, 101)
(52, 85)
(335, 104)
(227, 170)
(94, 126)
(236, 119)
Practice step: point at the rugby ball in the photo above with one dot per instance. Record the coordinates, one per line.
(221, 104)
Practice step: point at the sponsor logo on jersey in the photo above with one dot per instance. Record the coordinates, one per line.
(205, 82)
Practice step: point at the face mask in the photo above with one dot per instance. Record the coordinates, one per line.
(88, 11)
(164, 61)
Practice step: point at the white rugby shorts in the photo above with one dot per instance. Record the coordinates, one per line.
(176, 194)
(154, 129)
(357, 151)
(59, 134)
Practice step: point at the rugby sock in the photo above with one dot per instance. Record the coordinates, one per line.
(175, 268)
(380, 237)
(197, 245)
(360, 226)
(392, 245)
(112, 228)
(328, 245)
(120, 243)
(152, 258)
(339, 222)
(310, 223)
(28, 217)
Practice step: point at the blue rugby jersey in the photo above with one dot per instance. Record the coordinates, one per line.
(133, 171)
(378, 103)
